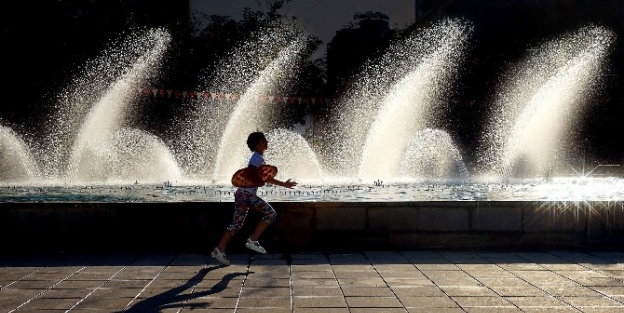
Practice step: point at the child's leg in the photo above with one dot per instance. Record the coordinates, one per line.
(224, 240)
(268, 216)
(262, 225)
(240, 213)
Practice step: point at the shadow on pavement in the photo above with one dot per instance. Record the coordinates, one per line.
(173, 299)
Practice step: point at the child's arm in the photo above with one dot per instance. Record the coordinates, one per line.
(287, 184)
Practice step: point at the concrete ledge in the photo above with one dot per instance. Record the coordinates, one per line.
(314, 226)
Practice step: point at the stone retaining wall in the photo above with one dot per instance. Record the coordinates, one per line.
(314, 226)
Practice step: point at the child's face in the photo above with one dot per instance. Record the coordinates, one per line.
(262, 145)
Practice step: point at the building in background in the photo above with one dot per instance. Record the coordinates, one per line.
(428, 11)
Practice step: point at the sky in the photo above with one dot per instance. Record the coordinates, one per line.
(322, 18)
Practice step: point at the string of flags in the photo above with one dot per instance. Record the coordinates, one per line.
(232, 96)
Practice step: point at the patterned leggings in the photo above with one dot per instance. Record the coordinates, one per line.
(244, 200)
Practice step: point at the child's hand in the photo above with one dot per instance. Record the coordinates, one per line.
(290, 184)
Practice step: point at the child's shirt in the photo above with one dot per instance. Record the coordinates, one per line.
(255, 160)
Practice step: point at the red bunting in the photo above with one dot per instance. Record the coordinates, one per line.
(276, 99)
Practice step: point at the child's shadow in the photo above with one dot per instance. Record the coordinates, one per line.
(172, 298)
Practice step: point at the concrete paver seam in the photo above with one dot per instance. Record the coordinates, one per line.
(240, 292)
(98, 287)
(344, 296)
(193, 289)
(290, 284)
(22, 278)
(573, 281)
(562, 299)
(385, 282)
(168, 265)
(46, 290)
(485, 285)
(602, 273)
(438, 286)
(532, 269)
(143, 289)
(95, 289)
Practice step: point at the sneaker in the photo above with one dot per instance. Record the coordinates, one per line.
(255, 246)
(220, 256)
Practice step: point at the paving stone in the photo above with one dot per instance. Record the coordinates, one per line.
(439, 281)
(317, 292)
(321, 310)
(322, 282)
(493, 310)
(66, 293)
(526, 302)
(309, 275)
(427, 291)
(482, 301)
(467, 291)
(366, 282)
(373, 302)
(267, 282)
(274, 302)
(208, 302)
(591, 301)
(105, 303)
(429, 302)
(252, 292)
(320, 302)
(367, 292)
(435, 310)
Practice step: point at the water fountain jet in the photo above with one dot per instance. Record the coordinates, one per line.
(214, 139)
(293, 156)
(17, 163)
(432, 155)
(412, 79)
(540, 103)
(405, 90)
(107, 114)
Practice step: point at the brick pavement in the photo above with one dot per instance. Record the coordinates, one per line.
(429, 281)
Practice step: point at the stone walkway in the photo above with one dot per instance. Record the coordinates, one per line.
(429, 281)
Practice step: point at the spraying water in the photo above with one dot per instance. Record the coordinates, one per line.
(213, 139)
(431, 154)
(293, 156)
(128, 155)
(17, 163)
(106, 116)
(541, 102)
(96, 105)
(382, 129)
(411, 79)
(250, 115)
(92, 82)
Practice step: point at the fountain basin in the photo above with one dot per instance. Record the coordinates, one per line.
(577, 188)
(313, 226)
